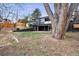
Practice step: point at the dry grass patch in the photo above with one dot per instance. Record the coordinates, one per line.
(43, 45)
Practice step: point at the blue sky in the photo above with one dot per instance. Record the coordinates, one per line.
(28, 8)
(25, 9)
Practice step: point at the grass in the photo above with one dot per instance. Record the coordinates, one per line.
(30, 34)
(33, 34)
(41, 44)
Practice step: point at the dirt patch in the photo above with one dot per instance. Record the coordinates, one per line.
(44, 46)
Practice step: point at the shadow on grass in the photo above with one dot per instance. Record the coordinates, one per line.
(23, 30)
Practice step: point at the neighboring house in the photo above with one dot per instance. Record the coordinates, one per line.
(6, 25)
(74, 22)
(22, 24)
(41, 24)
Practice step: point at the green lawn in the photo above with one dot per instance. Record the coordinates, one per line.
(33, 34)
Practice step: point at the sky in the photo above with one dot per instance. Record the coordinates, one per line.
(25, 9)
(28, 8)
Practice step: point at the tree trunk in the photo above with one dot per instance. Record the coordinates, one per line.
(51, 17)
(71, 9)
(50, 14)
(58, 24)
(62, 21)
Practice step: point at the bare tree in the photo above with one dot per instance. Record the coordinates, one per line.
(10, 10)
(60, 20)
(6, 12)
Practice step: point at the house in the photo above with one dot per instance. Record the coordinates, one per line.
(74, 22)
(21, 24)
(6, 24)
(41, 24)
(44, 24)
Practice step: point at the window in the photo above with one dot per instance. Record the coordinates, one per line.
(47, 19)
